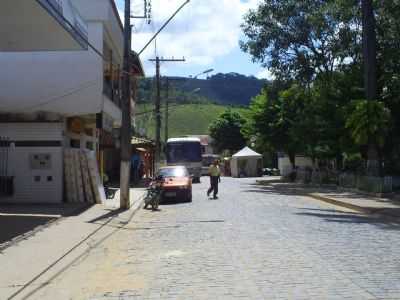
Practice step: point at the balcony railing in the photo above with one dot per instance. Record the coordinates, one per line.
(57, 5)
(68, 16)
(112, 93)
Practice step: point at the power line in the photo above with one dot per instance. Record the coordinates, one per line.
(153, 110)
(163, 26)
(59, 97)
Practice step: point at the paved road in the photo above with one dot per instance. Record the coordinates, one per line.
(252, 243)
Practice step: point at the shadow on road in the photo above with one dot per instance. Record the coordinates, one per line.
(334, 216)
(287, 190)
(173, 201)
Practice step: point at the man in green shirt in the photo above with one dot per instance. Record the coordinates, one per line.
(215, 178)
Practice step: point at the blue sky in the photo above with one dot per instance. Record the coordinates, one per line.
(205, 32)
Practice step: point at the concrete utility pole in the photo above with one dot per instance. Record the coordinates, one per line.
(126, 113)
(158, 101)
(166, 111)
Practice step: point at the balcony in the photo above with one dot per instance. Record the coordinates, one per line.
(112, 93)
(41, 25)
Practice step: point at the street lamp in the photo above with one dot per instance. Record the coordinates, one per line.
(195, 91)
(202, 73)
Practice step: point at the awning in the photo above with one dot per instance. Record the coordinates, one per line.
(41, 25)
(136, 65)
(139, 142)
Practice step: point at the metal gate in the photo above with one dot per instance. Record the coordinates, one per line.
(6, 181)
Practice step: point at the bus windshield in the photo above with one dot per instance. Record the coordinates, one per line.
(183, 152)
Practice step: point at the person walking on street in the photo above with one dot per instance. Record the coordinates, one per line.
(215, 178)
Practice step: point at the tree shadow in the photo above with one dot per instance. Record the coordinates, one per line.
(347, 217)
(377, 218)
(294, 189)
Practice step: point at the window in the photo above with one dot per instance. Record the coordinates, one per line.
(183, 152)
(174, 172)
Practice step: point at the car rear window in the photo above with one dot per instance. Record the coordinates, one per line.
(174, 172)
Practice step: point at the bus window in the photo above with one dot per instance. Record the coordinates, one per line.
(183, 152)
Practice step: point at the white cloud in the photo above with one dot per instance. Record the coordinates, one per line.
(201, 32)
(265, 74)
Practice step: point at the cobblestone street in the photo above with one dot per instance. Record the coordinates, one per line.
(251, 243)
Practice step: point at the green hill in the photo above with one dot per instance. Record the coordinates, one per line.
(224, 89)
(184, 119)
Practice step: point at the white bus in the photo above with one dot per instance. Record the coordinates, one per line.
(186, 152)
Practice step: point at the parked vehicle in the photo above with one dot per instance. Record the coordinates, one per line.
(271, 172)
(185, 152)
(177, 183)
(153, 195)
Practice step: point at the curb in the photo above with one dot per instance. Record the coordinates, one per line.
(364, 210)
(377, 212)
(360, 209)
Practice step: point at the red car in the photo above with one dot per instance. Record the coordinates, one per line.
(177, 183)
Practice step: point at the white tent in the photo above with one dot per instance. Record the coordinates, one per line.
(246, 163)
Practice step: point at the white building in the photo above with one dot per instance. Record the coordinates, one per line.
(50, 100)
(40, 25)
(285, 166)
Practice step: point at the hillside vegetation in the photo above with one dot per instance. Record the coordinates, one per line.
(225, 89)
(184, 119)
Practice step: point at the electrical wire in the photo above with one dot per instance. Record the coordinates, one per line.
(174, 106)
(59, 97)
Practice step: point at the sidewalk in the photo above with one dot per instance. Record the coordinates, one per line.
(382, 207)
(34, 260)
(385, 207)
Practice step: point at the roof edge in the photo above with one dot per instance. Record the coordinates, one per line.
(115, 9)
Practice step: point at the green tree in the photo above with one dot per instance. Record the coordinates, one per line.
(369, 122)
(300, 39)
(275, 122)
(226, 131)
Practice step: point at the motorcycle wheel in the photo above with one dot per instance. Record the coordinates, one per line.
(155, 202)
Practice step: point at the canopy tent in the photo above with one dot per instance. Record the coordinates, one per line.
(246, 163)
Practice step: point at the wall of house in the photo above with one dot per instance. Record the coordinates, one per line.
(104, 11)
(35, 160)
(285, 167)
(29, 36)
(65, 82)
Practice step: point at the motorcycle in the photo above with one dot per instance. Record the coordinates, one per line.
(153, 195)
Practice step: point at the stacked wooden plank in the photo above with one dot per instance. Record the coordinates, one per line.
(97, 183)
(81, 177)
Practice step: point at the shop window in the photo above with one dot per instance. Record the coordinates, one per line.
(89, 145)
(75, 143)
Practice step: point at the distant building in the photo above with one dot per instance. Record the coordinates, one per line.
(285, 166)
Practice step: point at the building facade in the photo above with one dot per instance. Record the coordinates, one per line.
(52, 100)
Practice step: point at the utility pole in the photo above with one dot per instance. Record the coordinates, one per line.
(126, 126)
(166, 111)
(158, 60)
(370, 79)
(126, 113)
